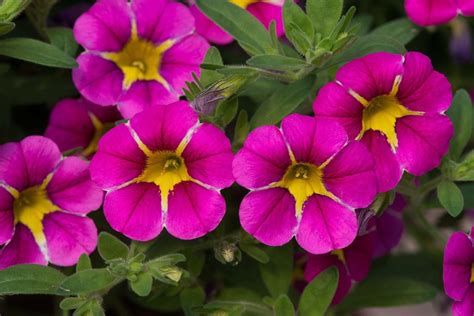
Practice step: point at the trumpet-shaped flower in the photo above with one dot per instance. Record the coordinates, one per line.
(137, 54)
(435, 12)
(458, 272)
(44, 200)
(395, 105)
(78, 123)
(163, 169)
(305, 180)
(265, 11)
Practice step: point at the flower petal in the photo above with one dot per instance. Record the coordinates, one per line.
(118, 159)
(268, 12)
(431, 12)
(164, 127)
(208, 29)
(135, 211)
(326, 225)
(263, 159)
(313, 140)
(389, 228)
(350, 176)
(269, 215)
(423, 141)
(359, 255)
(72, 189)
(466, 7)
(193, 211)
(6, 216)
(68, 236)
(208, 157)
(21, 249)
(105, 27)
(466, 306)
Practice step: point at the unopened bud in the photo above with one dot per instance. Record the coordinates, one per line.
(172, 273)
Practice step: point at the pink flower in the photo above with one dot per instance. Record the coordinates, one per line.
(458, 272)
(306, 179)
(137, 53)
(164, 169)
(434, 12)
(395, 105)
(78, 123)
(44, 200)
(352, 262)
(264, 10)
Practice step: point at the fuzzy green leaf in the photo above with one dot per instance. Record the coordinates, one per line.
(191, 298)
(63, 38)
(450, 197)
(30, 279)
(283, 306)
(142, 285)
(110, 247)
(318, 294)
(461, 114)
(84, 263)
(276, 62)
(276, 274)
(87, 281)
(324, 14)
(403, 30)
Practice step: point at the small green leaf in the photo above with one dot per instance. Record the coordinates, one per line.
(324, 14)
(70, 303)
(276, 62)
(213, 57)
(110, 247)
(142, 285)
(461, 113)
(283, 306)
(6, 27)
(242, 129)
(226, 111)
(9, 9)
(281, 103)
(84, 263)
(277, 273)
(30, 279)
(255, 252)
(63, 38)
(298, 27)
(37, 52)
(191, 298)
(318, 294)
(402, 30)
(239, 23)
(450, 197)
(87, 281)
(166, 260)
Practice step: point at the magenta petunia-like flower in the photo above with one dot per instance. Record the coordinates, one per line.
(435, 12)
(265, 11)
(458, 272)
(78, 123)
(305, 181)
(395, 105)
(164, 169)
(352, 262)
(44, 200)
(138, 53)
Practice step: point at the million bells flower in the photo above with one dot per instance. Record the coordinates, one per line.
(137, 53)
(435, 12)
(44, 199)
(458, 272)
(164, 169)
(306, 179)
(395, 105)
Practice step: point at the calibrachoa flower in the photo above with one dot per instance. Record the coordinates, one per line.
(264, 10)
(44, 199)
(352, 262)
(163, 169)
(435, 12)
(79, 123)
(395, 105)
(137, 53)
(305, 178)
(458, 272)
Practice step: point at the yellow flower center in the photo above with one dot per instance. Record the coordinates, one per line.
(99, 130)
(243, 3)
(30, 207)
(382, 112)
(140, 59)
(339, 253)
(303, 180)
(472, 273)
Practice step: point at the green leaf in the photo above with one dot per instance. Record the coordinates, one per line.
(283, 102)
(63, 38)
(84, 263)
(255, 252)
(226, 111)
(142, 285)
(388, 291)
(276, 62)
(318, 294)
(166, 260)
(70, 303)
(30, 279)
(277, 273)
(239, 23)
(324, 14)
(9, 9)
(213, 57)
(403, 30)
(87, 281)
(242, 129)
(37, 52)
(298, 27)
(6, 27)
(191, 297)
(450, 197)
(461, 113)
(110, 247)
(283, 306)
